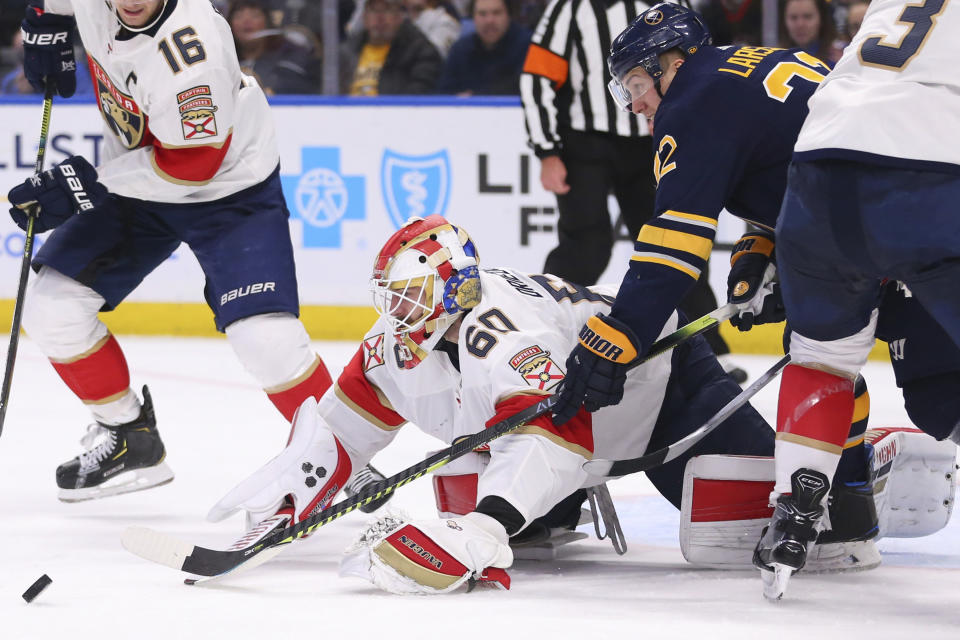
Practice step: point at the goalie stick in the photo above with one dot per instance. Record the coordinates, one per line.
(32, 214)
(201, 561)
(601, 467)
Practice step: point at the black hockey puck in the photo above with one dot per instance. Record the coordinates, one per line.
(42, 583)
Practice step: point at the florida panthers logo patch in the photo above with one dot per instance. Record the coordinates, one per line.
(122, 114)
(197, 113)
(537, 368)
(373, 352)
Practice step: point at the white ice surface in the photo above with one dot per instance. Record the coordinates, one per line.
(218, 427)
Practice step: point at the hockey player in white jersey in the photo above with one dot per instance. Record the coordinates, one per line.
(872, 194)
(457, 348)
(189, 156)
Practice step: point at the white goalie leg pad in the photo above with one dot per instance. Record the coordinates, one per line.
(455, 484)
(273, 347)
(60, 315)
(428, 557)
(724, 507)
(915, 481)
(532, 473)
(311, 470)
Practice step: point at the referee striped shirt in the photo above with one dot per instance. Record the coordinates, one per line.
(565, 75)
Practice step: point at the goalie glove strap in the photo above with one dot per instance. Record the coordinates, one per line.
(610, 339)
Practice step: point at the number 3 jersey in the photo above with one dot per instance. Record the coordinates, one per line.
(183, 123)
(894, 96)
(513, 344)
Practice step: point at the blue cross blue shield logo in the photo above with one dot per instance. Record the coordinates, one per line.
(323, 197)
(415, 185)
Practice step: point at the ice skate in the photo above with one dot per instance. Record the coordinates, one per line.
(365, 478)
(783, 546)
(118, 459)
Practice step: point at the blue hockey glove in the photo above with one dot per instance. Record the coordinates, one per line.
(68, 188)
(48, 50)
(750, 284)
(597, 367)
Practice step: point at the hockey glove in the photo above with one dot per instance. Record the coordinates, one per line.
(68, 188)
(597, 367)
(750, 284)
(48, 50)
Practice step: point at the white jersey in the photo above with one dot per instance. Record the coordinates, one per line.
(183, 123)
(515, 342)
(896, 90)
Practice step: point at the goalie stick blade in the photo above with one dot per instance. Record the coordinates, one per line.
(166, 550)
(255, 561)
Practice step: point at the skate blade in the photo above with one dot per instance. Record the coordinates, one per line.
(775, 582)
(126, 482)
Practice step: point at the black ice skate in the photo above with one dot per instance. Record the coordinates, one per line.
(364, 479)
(784, 543)
(119, 459)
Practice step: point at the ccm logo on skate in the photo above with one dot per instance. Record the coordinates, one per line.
(420, 551)
(599, 345)
(76, 187)
(44, 39)
(249, 290)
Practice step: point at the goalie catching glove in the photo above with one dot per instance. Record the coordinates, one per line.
(428, 557)
(750, 284)
(597, 367)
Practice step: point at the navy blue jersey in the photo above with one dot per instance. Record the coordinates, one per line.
(723, 135)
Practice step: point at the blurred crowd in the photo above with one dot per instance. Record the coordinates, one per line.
(452, 47)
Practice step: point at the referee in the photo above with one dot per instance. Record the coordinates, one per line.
(587, 147)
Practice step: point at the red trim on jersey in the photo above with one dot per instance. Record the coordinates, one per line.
(815, 404)
(724, 500)
(456, 494)
(316, 384)
(329, 491)
(358, 389)
(191, 164)
(578, 430)
(408, 535)
(101, 374)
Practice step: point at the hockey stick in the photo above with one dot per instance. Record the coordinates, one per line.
(600, 467)
(27, 256)
(162, 549)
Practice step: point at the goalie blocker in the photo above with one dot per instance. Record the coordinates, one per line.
(726, 504)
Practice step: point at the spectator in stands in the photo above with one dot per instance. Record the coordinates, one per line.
(488, 61)
(737, 22)
(390, 56)
(439, 25)
(855, 13)
(282, 62)
(809, 24)
(14, 81)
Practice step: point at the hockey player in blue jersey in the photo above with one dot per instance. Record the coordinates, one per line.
(725, 121)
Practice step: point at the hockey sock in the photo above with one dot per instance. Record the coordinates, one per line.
(313, 382)
(855, 460)
(101, 379)
(813, 419)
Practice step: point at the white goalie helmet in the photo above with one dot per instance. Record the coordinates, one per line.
(424, 278)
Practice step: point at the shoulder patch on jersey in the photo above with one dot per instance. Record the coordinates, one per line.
(537, 368)
(197, 113)
(373, 352)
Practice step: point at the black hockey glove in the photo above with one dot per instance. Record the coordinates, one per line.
(48, 50)
(597, 367)
(68, 188)
(750, 284)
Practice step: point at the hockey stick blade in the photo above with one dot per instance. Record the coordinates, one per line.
(600, 467)
(201, 561)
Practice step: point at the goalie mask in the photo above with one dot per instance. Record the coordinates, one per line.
(424, 278)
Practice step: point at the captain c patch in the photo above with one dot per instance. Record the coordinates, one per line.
(537, 368)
